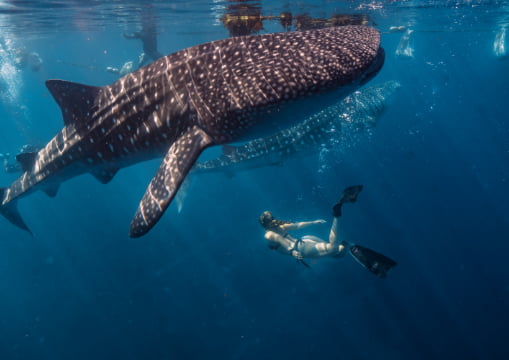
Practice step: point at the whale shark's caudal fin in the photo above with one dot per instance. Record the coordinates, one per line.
(11, 213)
(162, 189)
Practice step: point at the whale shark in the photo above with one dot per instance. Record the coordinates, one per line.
(209, 94)
(357, 111)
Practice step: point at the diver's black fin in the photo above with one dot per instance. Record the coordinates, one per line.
(375, 262)
(27, 160)
(336, 210)
(11, 213)
(349, 195)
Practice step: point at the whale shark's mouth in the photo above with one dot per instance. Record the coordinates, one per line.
(375, 66)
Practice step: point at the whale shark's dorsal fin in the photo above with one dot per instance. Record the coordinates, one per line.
(164, 185)
(27, 160)
(75, 100)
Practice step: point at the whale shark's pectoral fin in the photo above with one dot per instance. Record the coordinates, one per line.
(162, 189)
(51, 191)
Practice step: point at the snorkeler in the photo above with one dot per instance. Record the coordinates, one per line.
(499, 44)
(24, 58)
(9, 165)
(309, 246)
(405, 47)
(13, 165)
(126, 68)
(148, 37)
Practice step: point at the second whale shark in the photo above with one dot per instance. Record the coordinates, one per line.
(357, 111)
(210, 94)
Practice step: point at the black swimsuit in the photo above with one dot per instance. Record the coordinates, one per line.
(278, 230)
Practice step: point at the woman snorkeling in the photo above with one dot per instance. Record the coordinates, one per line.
(309, 246)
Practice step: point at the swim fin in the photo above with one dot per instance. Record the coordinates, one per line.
(349, 195)
(377, 263)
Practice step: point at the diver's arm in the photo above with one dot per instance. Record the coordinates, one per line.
(301, 225)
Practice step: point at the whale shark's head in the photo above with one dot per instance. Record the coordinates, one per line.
(374, 68)
(339, 56)
(283, 67)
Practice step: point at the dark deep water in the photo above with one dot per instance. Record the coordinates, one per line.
(203, 284)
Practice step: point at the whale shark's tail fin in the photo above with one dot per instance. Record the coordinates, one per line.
(375, 262)
(11, 213)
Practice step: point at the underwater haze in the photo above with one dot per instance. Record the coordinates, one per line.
(202, 284)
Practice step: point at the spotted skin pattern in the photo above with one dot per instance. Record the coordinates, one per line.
(201, 96)
(360, 109)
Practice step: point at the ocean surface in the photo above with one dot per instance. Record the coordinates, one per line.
(203, 284)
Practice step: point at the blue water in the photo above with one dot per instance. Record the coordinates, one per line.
(203, 284)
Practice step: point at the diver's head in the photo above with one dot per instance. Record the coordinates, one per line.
(266, 219)
(35, 61)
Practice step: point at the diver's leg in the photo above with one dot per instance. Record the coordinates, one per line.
(336, 247)
(334, 232)
(349, 195)
(314, 247)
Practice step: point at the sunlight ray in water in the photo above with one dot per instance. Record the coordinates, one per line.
(10, 75)
(500, 43)
(253, 267)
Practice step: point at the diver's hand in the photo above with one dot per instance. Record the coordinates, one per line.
(296, 254)
(320, 221)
